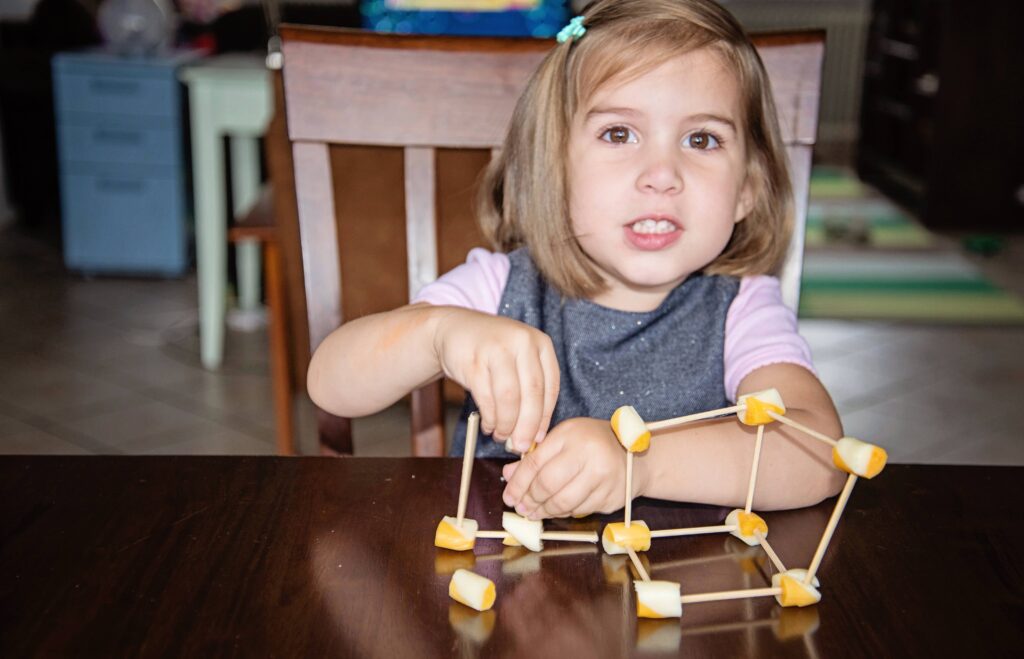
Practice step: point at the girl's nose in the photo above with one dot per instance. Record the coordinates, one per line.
(661, 174)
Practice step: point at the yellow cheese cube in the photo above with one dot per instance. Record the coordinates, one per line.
(450, 535)
(856, 457)
(630, 429)
(746, 523)
(472, 590)
(794, 591)
(616, 537)
(658, 599)
(758, 405)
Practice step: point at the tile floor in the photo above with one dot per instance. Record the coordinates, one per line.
(106, 365)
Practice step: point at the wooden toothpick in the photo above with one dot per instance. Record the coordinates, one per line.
(680, 420)
(802, 428)
(776, 561)
(830, 528)
(695, 530)
(637, 564)
(629, 488)
(472, 426)
(557, 536)
(730, 595)
(753, 467)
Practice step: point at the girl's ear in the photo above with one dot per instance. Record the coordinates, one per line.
(745, 201)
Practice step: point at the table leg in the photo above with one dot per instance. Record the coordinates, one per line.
(211, 225)
(245, 184)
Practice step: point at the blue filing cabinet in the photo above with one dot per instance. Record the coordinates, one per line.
(122, 174)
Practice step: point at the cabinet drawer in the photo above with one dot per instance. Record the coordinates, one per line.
(125, 143)
(113, 94)
(123, 222)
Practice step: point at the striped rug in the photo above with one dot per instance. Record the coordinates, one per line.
(867, 258)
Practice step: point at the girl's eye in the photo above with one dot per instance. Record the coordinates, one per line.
(619, 135)
(702, 141)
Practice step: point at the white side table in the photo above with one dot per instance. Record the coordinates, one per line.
(229, 95)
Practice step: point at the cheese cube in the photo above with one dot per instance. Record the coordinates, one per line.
(472, 590)
(450, 535)
(758, 405)
(616, 537)
(630, 429)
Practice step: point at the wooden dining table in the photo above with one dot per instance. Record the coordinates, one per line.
(114, 556)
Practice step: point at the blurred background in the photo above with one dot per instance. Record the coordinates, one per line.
(912, 282)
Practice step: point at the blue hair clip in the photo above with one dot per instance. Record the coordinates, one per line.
(573, 31)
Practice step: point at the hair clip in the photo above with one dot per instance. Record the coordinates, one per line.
(573, 31)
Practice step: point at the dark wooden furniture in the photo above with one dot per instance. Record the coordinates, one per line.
(942, 117)
(421, 97)
(415, 95)
(273, 222)
(316, 557)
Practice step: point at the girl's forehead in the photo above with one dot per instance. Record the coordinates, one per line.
(604, 75)
(701, 79)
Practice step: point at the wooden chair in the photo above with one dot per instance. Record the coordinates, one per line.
(273, 222)
(424, 94)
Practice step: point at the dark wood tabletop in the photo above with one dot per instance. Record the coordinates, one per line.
(315, 557)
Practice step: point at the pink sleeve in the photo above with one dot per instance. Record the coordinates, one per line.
(476, 284)
(759, 331)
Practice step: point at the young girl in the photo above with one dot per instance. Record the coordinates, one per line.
(638, 204)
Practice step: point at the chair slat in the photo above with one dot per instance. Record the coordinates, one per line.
(359, 95)
(319, 236)
(795, 73)
(420, 217)
(799, 156)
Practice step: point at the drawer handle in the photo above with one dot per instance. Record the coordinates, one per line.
(119, 185)
(114, 86)
(119, 136)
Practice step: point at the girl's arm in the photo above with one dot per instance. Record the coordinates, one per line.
(711, 462)
(371, 362)
(580, 468)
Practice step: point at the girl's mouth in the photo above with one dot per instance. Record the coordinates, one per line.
(652, 233)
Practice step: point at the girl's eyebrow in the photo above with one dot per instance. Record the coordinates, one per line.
(707, 116)
(632, 112)
(629, 112)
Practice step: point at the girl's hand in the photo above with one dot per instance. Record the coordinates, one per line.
(508, 366)
(578, 470)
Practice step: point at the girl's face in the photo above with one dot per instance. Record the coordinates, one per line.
(657, 176)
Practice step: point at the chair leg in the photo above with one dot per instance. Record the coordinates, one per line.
(428, 421)
(284, 417)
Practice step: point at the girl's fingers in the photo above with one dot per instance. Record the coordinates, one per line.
(505, 385)
(552, 382)
(520, 479)
(531, 402)
(594, 501)
(573, 494)
(551, 479)
(480, 388)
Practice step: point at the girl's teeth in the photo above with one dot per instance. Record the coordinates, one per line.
(652, 226)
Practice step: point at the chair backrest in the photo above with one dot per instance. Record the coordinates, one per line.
(425, 93)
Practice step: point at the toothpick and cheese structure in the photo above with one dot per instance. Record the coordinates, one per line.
(790, 587)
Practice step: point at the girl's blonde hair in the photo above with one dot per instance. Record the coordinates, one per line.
(524, 197)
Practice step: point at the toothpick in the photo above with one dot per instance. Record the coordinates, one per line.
(557, 536)
(801, 427)
(776, 561)
(753, 467)
(830, 528)
(472, 425)
(637, 564)
(680, 420)
(695, 530)
(629, 487)
(730, 595)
